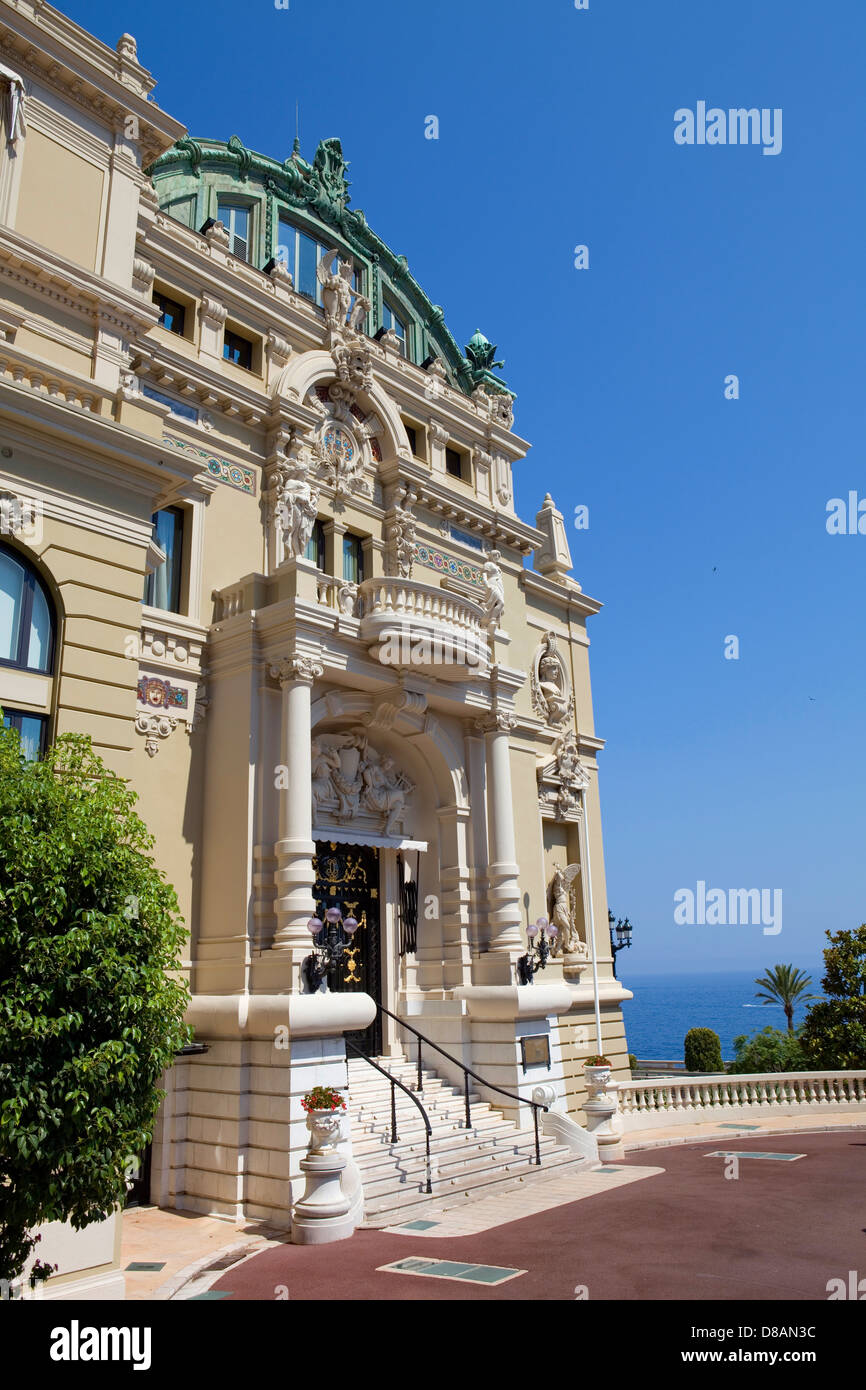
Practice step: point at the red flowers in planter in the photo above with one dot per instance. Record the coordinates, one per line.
(323, 1098)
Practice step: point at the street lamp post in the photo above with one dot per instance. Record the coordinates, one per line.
(622, 931)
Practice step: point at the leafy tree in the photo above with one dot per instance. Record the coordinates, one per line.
(834, 1033)
(786, 986)
(773, 1049)
(703, 1051)
(90, 1014)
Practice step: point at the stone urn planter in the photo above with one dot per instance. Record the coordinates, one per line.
(326, 1130)
(597, 1074)
(322, 1213)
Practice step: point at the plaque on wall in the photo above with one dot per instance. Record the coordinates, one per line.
(535, 1051)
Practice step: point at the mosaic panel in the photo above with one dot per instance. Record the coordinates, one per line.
(436, 559)
(161, 694)
(234, 474)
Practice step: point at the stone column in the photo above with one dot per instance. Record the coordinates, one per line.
(503, 896)
(294, 849)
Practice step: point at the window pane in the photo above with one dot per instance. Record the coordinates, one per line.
(306, 281)
(11, 594)
(40, 632)
(350, 559)
(162, 587)
(31, 728)
(285, 251)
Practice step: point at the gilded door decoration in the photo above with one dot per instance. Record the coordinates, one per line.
(347, 877)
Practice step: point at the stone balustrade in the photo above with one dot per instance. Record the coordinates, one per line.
(433, 628)
(661, 1102)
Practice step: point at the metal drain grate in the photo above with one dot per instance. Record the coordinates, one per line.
(490, 1275)
(746, 1153)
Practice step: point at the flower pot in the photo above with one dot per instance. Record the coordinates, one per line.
(597, 1076)
(326, 1130)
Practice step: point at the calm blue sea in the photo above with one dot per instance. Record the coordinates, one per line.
(665, 1007)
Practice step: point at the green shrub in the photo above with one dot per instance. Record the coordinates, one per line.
(91, 1010)
(834, 1034)
(703, 1050)
(632, 1061)
(773, 1049)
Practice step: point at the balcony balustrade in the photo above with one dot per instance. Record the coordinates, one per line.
(409, 624)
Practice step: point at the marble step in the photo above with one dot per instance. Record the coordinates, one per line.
(409, 1203)
(446, 1148)
(452, 1168)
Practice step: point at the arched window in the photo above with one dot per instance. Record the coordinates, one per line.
(26, 618)
(27, 636)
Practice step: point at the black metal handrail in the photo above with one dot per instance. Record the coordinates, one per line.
(411, 1094)
(467, 1072)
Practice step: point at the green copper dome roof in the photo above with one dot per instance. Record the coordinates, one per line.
(317, 197)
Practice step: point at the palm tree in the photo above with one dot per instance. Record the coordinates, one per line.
(784, 985)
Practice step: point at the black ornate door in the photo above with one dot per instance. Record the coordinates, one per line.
(347, 877)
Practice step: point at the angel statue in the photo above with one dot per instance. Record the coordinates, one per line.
(561, 906)
(337, 290)
(494, 590)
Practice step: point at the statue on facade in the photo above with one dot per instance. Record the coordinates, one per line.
(494, 590)
(383, 793)
(336, 287)
(297, 508)
(549, 684)
(562, 909)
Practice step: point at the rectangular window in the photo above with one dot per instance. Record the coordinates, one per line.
(306, 280)
(353, 559)
(287, 237)
(162, 588)
(32, 728)
(413, 440)
(315, 550)
(390, 320)
(171, 314)
(237, 349)
(236, 221)
(454, 463)
(180, 408)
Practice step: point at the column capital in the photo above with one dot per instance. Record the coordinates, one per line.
(497, 721)
(296, 668)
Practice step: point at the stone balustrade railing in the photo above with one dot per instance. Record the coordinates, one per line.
(661, 1102)
(425, 602)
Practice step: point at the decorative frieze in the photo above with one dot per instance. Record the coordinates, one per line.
(222, 470)
(435, 559)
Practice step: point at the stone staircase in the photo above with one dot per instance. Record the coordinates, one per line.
(492, 1156)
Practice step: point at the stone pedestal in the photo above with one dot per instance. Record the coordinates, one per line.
(322, 1214)
(603, 1119)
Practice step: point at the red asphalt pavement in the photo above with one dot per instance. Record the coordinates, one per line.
(778, 1231)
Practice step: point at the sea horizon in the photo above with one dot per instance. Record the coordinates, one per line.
(667, 1004)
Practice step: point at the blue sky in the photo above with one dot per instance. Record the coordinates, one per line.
(707, 516)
